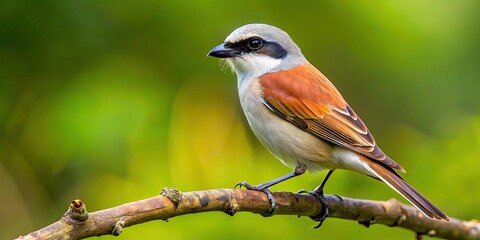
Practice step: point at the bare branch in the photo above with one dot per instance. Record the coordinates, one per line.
(76, 223)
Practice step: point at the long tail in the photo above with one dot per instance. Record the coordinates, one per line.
(392, 179)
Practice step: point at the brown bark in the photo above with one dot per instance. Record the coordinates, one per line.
(77, 223)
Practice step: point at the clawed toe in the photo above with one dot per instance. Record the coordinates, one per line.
(322, 215)
(263, 189)
(303, 191)
(299, 170)
(242, 184)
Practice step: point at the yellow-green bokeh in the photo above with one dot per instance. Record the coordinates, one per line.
(110, 101)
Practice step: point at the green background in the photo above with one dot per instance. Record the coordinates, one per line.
(110, 101)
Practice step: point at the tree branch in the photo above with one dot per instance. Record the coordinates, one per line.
(76, 223)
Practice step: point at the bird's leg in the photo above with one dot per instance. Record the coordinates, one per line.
(318, 193)
(299, 170)
(319, 190)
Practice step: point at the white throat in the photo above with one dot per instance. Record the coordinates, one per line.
(251, 66)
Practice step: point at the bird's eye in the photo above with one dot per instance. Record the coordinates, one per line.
(255, 43)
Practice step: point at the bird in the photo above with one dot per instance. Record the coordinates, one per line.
(301, 118)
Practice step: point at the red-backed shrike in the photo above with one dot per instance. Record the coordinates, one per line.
(297, 113)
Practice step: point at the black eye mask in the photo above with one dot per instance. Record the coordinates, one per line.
(260, 46)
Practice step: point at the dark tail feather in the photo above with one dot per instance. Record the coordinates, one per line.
(398, 184)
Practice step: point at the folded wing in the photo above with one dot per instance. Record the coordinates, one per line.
(306, 98)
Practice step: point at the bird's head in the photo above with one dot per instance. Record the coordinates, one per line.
(256, 49)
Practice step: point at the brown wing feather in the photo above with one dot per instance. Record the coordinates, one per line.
(304, 93)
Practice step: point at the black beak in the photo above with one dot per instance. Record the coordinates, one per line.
(221, 51)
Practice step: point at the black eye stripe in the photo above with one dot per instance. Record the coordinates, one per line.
(242, 45)
(271, 49)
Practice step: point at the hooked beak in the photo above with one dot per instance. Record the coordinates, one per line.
(221, 51)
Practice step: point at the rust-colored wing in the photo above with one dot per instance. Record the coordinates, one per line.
(306, 98)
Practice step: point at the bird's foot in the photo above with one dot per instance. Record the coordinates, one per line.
(322, 215)
(260, 188)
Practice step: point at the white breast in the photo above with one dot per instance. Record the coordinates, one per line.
(284, 140)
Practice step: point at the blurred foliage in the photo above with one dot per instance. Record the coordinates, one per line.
(111, 101)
